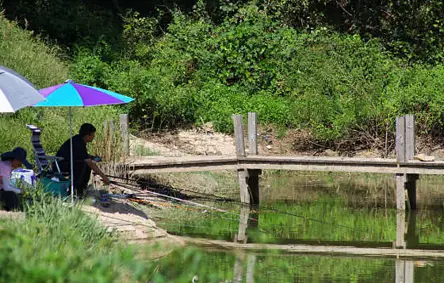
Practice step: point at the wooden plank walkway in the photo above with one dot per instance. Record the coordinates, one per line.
(317, 249)
(405, 169)
(148, 165)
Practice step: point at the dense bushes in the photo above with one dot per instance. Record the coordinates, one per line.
(342, 88)
(345, 88)
(411, 29)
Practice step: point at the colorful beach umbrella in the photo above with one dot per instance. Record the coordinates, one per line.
(74, 95)
(16, 91)
(71, 94)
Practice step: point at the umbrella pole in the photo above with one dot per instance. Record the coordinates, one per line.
(71, 153)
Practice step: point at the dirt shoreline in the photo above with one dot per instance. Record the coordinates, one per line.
(205, 141)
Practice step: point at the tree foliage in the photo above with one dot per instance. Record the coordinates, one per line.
(339, 69)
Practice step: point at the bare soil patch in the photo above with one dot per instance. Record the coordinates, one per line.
(271, 141)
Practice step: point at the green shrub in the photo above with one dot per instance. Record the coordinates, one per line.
(345, 89)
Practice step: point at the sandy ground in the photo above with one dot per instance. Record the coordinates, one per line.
(205, 141)
(11, 215)
(128, 219)
(182, 143)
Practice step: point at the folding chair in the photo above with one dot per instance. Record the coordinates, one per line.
(43, 162)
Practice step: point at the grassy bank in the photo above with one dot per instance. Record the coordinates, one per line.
(42, 65)
(56, 242)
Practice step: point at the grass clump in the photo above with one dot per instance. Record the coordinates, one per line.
(29, 56)
(57, 242)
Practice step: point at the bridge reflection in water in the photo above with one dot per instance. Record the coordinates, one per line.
(407, 237)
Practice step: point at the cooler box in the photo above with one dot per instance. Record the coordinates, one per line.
(23, 177)
(58, 187)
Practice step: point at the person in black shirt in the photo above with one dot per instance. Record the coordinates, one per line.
(83, 162)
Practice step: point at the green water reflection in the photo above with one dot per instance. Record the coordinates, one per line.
(209, 266)
(320, 216)
(322, 222)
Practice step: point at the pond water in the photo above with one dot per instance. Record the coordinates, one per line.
(217, 266)
(311, 215)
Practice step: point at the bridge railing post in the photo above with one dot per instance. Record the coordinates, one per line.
(242, 174)
(409, 154)
(248, 179)
(405, 151)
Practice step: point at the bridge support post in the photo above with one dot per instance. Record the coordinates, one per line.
(411, 236)
(405, 150)
(400, 230)
(253, 174)
(248, 178)
(400, 191)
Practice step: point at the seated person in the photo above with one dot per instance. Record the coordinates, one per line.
(11, 160)
(83, 162)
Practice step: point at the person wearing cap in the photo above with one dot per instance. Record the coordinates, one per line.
(11, 160)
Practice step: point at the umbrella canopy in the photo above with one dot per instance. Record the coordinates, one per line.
(16, 91)
(73, 94)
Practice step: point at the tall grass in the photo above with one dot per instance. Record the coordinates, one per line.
(55, 127)
(29, 56)
(59, 243)
(42, 65)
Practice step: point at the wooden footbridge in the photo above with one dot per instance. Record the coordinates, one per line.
(404, 168)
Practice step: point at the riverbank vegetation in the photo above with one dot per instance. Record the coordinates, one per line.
(43, 66)
(56, 242)
(340, 71)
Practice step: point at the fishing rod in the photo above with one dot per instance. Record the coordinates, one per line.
(174, 198)
(177, 199)
(240, 203)
(131, 187)
(147, 183)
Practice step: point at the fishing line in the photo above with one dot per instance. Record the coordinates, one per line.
(238, 202)
(156, 186)
(133, 187)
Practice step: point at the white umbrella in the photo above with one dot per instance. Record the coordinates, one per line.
(16, 92)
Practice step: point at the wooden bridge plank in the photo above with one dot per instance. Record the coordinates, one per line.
(327, 164)
(312, 249)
